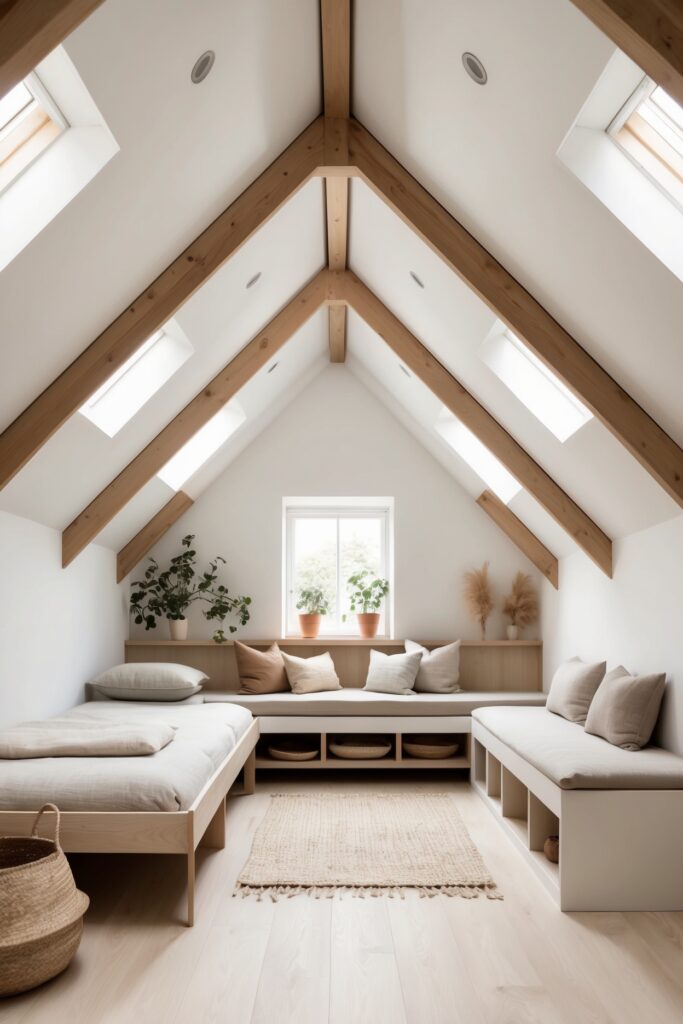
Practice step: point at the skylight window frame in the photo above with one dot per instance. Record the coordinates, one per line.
(36, 142)
(485, 465)
(176, 479)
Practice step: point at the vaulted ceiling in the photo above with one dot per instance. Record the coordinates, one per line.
(488, 156)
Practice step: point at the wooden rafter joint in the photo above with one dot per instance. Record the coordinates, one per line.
(520, 535)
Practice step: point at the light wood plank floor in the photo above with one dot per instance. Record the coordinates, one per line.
(352, 961)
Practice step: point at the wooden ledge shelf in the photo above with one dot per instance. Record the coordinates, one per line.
(322, 641)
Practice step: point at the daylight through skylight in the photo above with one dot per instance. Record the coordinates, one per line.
(202, 446)
(649, 128)
(28, 124)
(478, 457)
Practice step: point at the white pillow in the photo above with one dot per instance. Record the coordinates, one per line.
(150, 680)
(439, 670)
(311, 675)
(393, 673)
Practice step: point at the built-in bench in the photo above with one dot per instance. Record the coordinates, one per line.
(618, 813)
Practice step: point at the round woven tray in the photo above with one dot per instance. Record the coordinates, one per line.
(366, 748)
(292, 750)
(432, 747)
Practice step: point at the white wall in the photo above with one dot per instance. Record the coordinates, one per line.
(336, 439)
(634, 619)
(58, 627)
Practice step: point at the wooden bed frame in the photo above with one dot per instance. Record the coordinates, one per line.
(202, 824)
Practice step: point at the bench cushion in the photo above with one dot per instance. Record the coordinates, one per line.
(573, 759)
(351, 701)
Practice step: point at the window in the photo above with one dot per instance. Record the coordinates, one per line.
(533, 383)
(134, 383)
(478, 457)
(202, 446)
(649, 128)
(326, 541)
(29, 121)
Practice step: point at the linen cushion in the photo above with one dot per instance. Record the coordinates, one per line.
(69, 737)
(352, 701)
(393, 673)
(573, 688)
(625, 708)
(260, 671)
(439, 669)
(163, 681)
(311, 675)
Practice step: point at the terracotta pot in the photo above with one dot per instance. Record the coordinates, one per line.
(551, 849)
(178, 629)
(513, 632)
(309, 624)
(368, 624)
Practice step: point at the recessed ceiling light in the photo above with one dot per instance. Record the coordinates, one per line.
(474, 68)
(416, 279)
(202, 66)
(252, 280)
(271, 368)
(402, 367)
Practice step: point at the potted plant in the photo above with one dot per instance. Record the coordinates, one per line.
(170, 593)
(366, 598)
(311, 605)
(521, 605)
(479, 596)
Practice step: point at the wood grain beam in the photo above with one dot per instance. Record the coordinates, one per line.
(30, 29)
(202, 258)
(650, 32)
(520, 535)
(337, 199)
(136, 549)
(631, 425)
(337, 327)
(192, 418)
(476, 418)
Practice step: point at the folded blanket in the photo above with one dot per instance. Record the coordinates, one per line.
(69, 737)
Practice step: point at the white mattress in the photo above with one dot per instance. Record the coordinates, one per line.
(168, 780)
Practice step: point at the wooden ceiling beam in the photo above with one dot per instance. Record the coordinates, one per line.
(192, 418)
(413, 354)
(520, 535)
(650, 32)
(143, 541)
(631, 425)
(158, 302)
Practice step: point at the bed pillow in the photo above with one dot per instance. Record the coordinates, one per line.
(260, 671)
(573, 688)
(311, 675)
(439, 670)
(625, 708)
(393, 673)
(149, 680)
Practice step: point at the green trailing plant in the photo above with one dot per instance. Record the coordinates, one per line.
(367, 592)
(170, 593)
(312, 601)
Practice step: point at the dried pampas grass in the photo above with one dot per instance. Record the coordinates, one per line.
(521, 604)
(479, 595)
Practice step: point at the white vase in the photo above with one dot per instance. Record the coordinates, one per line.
(513, 632)
(178, 629)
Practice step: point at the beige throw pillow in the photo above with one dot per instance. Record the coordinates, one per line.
(439, 670)
(311, 675)
(260, 671)
(393, 673)
(625, 708)
(573, 688)
(149, 681)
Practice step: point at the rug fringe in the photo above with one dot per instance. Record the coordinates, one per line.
(274, 892)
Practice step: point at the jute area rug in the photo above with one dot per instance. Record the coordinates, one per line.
(372, 844)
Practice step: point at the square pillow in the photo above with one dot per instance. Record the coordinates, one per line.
(624, 710)
(573, 688)
(149, 680)
(260, 671)
(393, 673)
(311, 675)
(439, 670)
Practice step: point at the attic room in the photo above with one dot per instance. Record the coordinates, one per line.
(341, 511)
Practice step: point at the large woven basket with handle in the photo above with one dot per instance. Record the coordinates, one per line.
(41, 910)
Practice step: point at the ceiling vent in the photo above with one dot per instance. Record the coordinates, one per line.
(474, 68)
(202, 66)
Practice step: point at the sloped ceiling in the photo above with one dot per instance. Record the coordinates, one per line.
(487, 154)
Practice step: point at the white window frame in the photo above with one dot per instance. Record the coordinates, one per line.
(55, 119)
(336, 508)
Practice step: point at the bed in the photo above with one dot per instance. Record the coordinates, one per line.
(171, 801)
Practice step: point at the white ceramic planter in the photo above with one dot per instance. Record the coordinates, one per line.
(178, 628)
(513, 633)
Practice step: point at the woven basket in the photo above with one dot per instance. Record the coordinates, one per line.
(41, 910)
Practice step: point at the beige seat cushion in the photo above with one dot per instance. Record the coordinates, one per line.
(439, 669)
(573, 688)
(625, 708)
(260, 671)
(573, 759)
(350, 701)
(311, 675)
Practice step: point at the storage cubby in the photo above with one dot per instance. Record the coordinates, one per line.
(492, 775)
(396, 756)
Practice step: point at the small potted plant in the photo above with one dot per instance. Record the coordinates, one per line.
(311, 604)
(170, 593)
(521, 605)
(366, 596)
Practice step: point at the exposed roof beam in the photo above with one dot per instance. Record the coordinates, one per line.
(30, 29)
(520, 535)
(136, 549)
(476, 418)
(649, 31)
(192, 418)
(250, 211)
(337, 328)
(631, 425)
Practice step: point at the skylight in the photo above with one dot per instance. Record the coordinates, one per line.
(29, 121)
(478, 457)
(534, 384)
(134, 383)
(202, 446)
